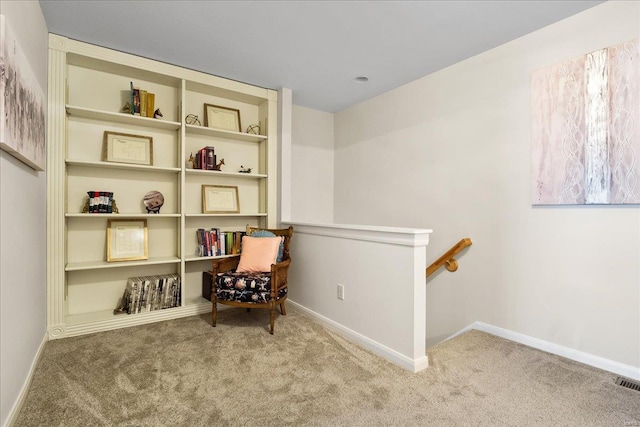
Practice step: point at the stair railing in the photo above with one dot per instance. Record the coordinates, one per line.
(447, 259)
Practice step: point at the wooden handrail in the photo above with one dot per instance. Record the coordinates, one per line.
(447, 259)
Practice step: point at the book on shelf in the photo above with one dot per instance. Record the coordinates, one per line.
(214, 242)
(131, 100)
(99, 202)
(150, 293)
(143, 102)
(237, 244)
(206, 158)
(151, 104)
(135, 107)
(211, 159)
(223, 244)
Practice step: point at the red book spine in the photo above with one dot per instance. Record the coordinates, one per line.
(203, 158)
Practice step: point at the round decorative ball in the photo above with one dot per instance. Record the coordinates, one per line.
(254, 129)
(153, 201)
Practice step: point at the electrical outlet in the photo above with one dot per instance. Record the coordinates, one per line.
(340, 292)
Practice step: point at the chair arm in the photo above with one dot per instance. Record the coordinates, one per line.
(279, 274)
(223, 265)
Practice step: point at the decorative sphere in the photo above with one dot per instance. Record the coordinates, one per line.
(254, 129)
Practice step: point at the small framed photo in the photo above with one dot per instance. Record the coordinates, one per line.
(220, 199)
(222, 117)
(127, 148)
(127, 240)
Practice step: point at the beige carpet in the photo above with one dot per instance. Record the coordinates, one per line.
(186, 373)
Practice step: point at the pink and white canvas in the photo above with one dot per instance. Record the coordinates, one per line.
(586, 129)
(22, 103)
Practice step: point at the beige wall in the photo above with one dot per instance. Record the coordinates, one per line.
(451, 152)
(22, 231)
(311, 166)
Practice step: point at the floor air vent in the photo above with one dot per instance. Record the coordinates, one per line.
(625, 382)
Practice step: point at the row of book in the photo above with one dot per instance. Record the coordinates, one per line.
(150, 293)
(100, 202)
(142, 102)
(215, 242)
(206, 159)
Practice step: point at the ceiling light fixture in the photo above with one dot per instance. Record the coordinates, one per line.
(362, 79)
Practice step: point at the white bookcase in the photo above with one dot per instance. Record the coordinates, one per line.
(88, 86)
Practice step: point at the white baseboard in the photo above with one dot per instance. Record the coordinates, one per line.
(413, 365)
(559, 350)
(15, 410)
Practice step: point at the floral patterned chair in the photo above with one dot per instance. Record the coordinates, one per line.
(256, 279)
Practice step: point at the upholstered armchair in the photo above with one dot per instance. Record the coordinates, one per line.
(258, 277)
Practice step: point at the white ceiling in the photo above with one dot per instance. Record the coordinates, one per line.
(315, 48)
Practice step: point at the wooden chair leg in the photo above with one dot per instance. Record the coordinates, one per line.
(214, 311)
(282, 309)
(272, 319)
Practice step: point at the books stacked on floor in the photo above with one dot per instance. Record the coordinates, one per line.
(206, 158)
(150, 293)
(215, 242)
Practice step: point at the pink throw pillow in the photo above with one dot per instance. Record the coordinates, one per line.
(258, 253)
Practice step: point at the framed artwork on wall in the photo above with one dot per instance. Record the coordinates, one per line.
(22, 103)
(585, 129)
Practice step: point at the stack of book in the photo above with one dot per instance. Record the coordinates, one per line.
(215, 242)
(150, 293)
(206, 159)
(100, 201)
(142, 102)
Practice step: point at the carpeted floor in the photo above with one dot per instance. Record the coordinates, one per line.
(186, 373)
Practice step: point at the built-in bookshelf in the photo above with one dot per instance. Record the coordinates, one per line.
(88, 88)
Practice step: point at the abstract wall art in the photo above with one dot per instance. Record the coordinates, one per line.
(22, 107)
(586, 129)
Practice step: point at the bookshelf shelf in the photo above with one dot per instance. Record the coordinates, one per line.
(97, 265)
(224, 215)
(220, 133)
(225, 174)
(120, 215)
(123, 166)
(193, 258)
(88, 85)
(96, 321)
(106, 116)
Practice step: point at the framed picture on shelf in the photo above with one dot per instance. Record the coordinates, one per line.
(127, 240)
(220, 199)
(224, 118)
(127, 148)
